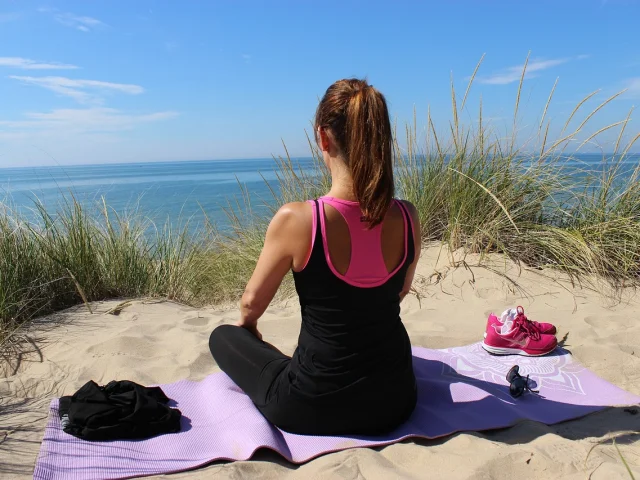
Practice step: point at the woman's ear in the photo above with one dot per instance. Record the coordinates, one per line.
(325, 141)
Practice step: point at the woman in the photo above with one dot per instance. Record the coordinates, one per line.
(353, 254)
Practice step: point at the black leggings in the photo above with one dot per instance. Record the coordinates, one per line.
(262, 372)
(252, 364)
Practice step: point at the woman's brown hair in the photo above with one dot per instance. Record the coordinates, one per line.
(356, 115)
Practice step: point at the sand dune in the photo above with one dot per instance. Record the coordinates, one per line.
(154, 341)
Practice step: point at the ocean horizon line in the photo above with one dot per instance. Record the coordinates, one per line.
(145, 162)
(271, 158)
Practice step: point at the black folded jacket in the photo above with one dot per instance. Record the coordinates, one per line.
(118, 410)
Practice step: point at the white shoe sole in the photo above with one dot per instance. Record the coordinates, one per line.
(512, 351)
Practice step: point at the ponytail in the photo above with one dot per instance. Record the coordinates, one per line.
(358, 118)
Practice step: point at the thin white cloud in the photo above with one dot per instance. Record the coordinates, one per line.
(83, 91)
(632, 86)
(82, 23)
(513, 74)
(81, 120)
(92, 123)
(71, 20)
(9, 136)
(28, 64)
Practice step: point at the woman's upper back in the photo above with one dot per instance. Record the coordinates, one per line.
(336, 257)
(355, 253)
(345, 262)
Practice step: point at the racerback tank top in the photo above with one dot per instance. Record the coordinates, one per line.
(351, 337)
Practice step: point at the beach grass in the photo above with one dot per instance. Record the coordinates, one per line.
(531, 200)
(475, 189)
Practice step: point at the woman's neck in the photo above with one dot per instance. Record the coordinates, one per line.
(341, 183)
(342, 193)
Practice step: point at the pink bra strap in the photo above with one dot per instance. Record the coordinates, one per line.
(314, 216)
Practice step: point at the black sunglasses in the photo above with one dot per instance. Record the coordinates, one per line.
(518, 384)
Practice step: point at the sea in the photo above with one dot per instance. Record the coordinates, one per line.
(191, 193)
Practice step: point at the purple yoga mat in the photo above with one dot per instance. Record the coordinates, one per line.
(459, 389)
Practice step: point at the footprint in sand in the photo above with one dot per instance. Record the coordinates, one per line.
(631, 350)
(613, 322)
(201, 366)
(124, 345)
(488, 293)
(197, 321)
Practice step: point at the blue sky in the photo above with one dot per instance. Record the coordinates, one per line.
(122, 81)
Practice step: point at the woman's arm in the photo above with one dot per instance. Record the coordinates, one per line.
(417, 241)
(286, 245)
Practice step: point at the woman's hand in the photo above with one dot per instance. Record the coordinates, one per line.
(252, 327)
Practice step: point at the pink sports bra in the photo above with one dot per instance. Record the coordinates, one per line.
(367, 267)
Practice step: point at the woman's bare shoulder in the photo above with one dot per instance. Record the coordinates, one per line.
(293, 216)
(296, 210)
(413, 211)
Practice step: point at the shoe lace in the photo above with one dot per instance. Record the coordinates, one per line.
(527, 326)
(533, 323)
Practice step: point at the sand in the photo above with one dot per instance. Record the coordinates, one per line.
(155, 341)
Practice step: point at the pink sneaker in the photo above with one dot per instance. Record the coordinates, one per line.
(512, 313)
(519, 337)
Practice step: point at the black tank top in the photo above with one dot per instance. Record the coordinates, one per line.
(352, 340)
